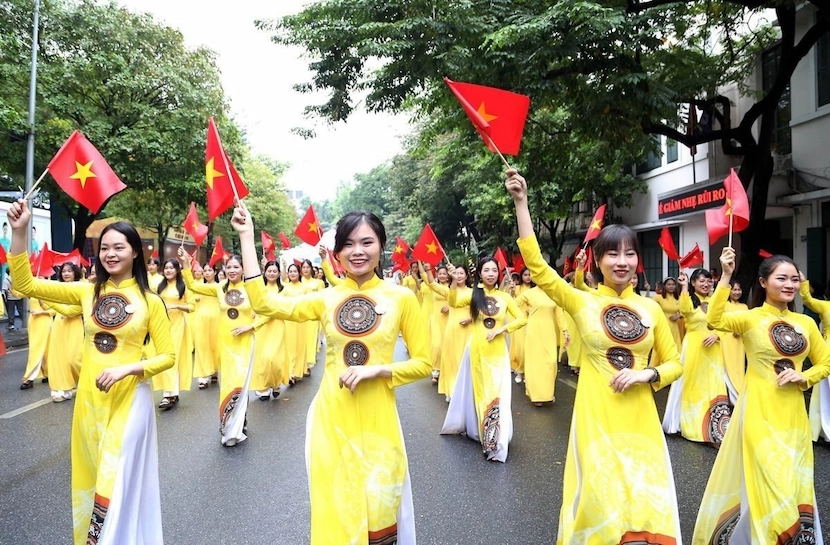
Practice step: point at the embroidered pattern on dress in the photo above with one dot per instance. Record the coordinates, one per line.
(234, 298)
(355, 353)
(716, 423)
(619, 357)
(782, 364)
(233, 314)
(356, 316)
(786, 339)
(491, 427)
(106, 343)
(110, 311)
(646, 538)
(803, 532)
(387, 536)
(491, 306)
(725, 526)
(96, 523)
(227, 407)
(623, 324)
(489, 323)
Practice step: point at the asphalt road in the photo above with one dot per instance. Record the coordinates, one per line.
(256, 492)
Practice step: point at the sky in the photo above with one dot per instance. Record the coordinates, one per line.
(258, 76)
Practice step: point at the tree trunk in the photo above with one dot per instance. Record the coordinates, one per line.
(83, 219)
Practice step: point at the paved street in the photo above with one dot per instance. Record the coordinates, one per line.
(256, 492)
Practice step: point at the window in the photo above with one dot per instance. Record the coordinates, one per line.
(654, 257)
(823, 70)
(781, 133)
(653, 159)
(671, 151)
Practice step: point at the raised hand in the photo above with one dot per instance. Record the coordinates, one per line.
(183, 257)
(321, 251)
(516, 185)
(242, 222)
(727, 261)
(19, 215)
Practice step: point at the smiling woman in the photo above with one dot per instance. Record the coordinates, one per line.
(355, 446)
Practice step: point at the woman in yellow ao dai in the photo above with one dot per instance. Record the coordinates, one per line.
(761, 487)
(357, 464)
(114, 453)
(205, 322)
(670, 303)
(483, 389)
(618, 484)
(456, 333)
(820, 399)
(732, 345)
(698, 405)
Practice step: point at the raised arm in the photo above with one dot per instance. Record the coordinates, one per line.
(70, 311)
(739, 321)
(328, 270)
(816, 305)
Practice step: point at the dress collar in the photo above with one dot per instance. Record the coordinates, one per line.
(369, 284)
(773, 310)
(611, 292)
(127, 283)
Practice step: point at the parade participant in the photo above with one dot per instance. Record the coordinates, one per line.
(270, 369)
(698, 406)
(295, 332)
(206, 323)
(517, 338)
(236, 350)
(541, 357)
(457, 331)
(66, 342)
(480, 405)
(618, 484)
(820, 398)
(115, 490)
(311, 284)
(40, 325)
(670, 303)
(220, 274)
(179, 302)
(354, 442)
(325, 266)
(732, 345)
(153, 274)
(437, 320)
(761, 487)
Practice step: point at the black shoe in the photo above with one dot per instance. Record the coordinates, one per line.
(265, 397)
(166, 403)
(214, 379)
(27, 384)
(275, 393)
(44, 380)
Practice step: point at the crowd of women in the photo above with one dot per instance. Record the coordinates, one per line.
(737, 377)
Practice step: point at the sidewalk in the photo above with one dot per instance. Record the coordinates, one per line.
(16, 338)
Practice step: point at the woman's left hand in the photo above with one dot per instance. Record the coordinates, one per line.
(493, 333)
(791, 375)
(352, 376)
(241, 329)
(710, 340)
(628, 377)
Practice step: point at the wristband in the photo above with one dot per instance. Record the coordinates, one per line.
(252, 277)
(656, 376)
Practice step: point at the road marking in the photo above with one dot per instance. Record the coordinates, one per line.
(16, 350)
(26, 408)
(568, 382)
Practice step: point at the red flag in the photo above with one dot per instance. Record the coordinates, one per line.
(641, 269)
(268, 244)
(286, 244)
(3, 258)
(763, 253)
(428, 249)
(81, 258)
(309, 230)
(42, 265)
(155, 254)
(736, 206)
(568, 266)
(694, 257)
(501, 259)
(400, 254)
(589, 260)
(596, 225)
(194, 227)
(221, 175)
(518, 263)
(81, 171)
(499, 116)
(692, 126)
(338, 268)
(218, 253)
(59, 258)
(298, 263)
(271, 255)
(667, 243)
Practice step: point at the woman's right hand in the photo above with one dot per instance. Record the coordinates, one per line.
(683, 280)
(242, 222)
(581, 258)
(727, 261)
(19, 215)
(183, 257)
(321, 251)
(465, 322)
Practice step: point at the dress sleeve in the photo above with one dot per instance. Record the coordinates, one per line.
(816, 305)
(199, 288)
(456, 300)
(559, 317)
(518, 318)
(301, 308)
(159, 329)
(670, 367)
(70, 311)
(444, 291)
(414, 331)
(70, 293)
(738, 322)
(189, 300)
(819, 356)
(333, 279)
(579, 280)
(562, 293)
(685, 304)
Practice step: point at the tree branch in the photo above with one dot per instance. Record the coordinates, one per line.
(635, 6)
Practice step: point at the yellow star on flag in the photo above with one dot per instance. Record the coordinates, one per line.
(211, 173)
(398, 249)
(312, 227)
(432, 248)
(195, 225)
(596, 225)
(728, 207)
(482, 111)
(83, 172)
(213, 253)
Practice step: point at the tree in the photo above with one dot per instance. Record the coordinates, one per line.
(134, 89)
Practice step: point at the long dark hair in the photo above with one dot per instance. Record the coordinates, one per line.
(692, 293)
(613, 237)
(265, 268)
(238, 259)
(76, 271)
(139, 269)
(673, 279)
(477, 302)
(758, 295)
(310, 266)
(179, 278)
(348, 223)
(522, 278)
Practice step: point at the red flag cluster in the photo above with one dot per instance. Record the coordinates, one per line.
(223, 182)
(735, 210)
(694, 257)
(309, 230)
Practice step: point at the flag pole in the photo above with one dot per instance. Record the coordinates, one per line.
(731, 216)
(227, 166)
(495, 147)
(37, 183)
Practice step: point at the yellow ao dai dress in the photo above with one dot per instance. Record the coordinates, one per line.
(820, 399)
(545, 321)
(39, 326)
(178, 377)
(761, 486)
(205, 336)
(115, 490)
(455, 338)
(66, 349)
(618, 484)
(357, 464)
